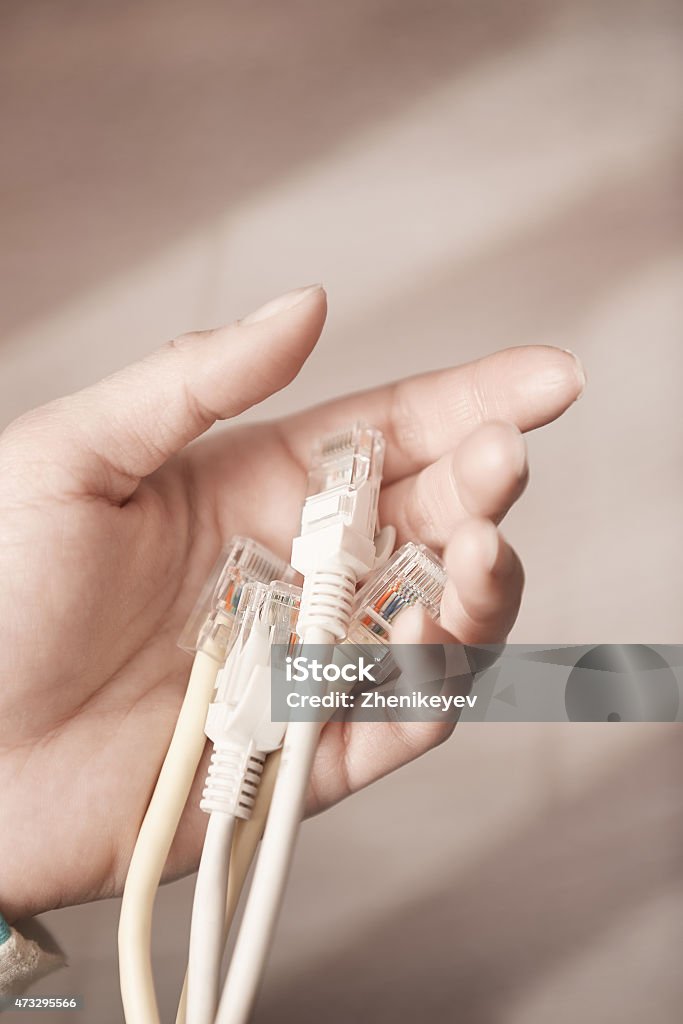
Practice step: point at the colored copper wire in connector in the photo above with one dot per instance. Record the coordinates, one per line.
(414, 575)
(247, 560)
(210, 626)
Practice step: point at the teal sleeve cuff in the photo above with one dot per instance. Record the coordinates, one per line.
(5, 930)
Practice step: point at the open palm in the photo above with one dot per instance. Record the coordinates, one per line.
(109, 525)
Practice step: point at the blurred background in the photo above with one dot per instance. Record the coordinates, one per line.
(461, 176)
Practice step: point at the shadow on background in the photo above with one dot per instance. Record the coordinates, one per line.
(529, 905)
(612, 232)
(127, 127)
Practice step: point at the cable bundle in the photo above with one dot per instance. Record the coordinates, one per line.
(249, 606)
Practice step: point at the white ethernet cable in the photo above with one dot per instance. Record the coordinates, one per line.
(248, 834)
(239, 725)
(208, 633)
(335, 548)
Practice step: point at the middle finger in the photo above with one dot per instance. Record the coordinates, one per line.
(483, 477)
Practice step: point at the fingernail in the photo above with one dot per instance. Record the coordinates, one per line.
(280, 305)
(580, 372)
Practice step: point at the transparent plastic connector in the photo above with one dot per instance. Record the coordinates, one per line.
(239, 721)
(344, 480)
(413, 576)
(210, 626)
(336, 545)
(266, 616)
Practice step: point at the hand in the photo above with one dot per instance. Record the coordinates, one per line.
(110, 524)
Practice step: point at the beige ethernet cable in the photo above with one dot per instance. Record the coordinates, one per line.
(154, 842)
(245, 560)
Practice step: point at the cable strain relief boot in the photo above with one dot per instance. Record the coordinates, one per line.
(232, 781)
(327, 601)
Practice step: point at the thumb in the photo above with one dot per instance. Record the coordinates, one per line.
(104, 439)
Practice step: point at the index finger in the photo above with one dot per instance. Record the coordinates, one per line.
(425, 416)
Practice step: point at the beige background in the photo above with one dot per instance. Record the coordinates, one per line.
(461, 176)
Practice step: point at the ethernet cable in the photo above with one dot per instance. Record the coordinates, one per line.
(239, 724)
(208, 633)
(414, 575)
(248, 833)
(335, 548)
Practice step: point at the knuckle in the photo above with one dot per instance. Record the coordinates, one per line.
(406, 432)
(420, 511)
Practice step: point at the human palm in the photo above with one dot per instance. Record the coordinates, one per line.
(110, 524)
